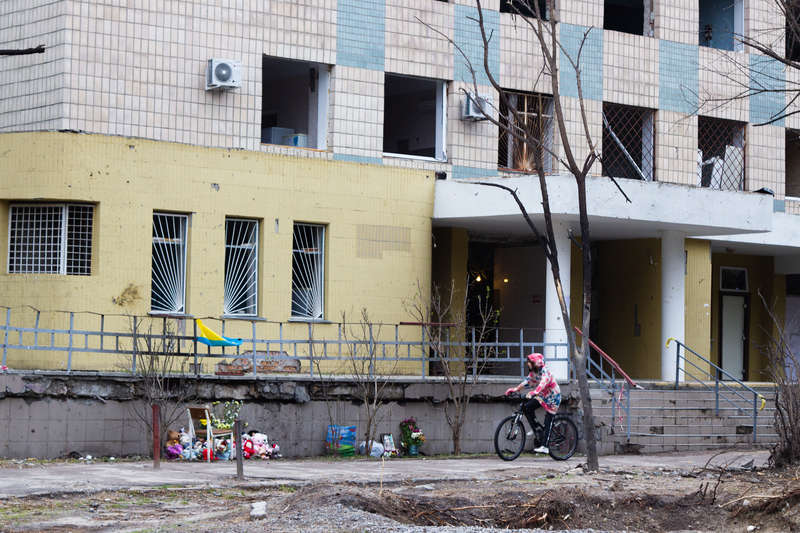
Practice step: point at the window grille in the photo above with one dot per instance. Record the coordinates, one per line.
(307, 271)
(536, 121)
(50, 239)
(168, 293)
(241, 267)
(628, 142)
(720, 154)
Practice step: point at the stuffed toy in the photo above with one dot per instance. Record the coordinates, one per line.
(206, 453)
(173, 435)
(190, 454)
(247, 449)
(221, 450)
(259, 445)
(186, 441)
(174, 451)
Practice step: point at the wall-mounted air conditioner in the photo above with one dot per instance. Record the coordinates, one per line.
(471, 107)
(223, 74)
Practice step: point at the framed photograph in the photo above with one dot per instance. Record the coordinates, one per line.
(388, 442)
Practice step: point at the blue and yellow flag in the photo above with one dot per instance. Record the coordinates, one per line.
(209, 338)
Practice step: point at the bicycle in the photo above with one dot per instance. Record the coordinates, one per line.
(510, 435)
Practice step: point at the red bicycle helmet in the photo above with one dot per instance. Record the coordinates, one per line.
(537, 359)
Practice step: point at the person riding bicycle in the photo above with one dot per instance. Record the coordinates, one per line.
(546, 393)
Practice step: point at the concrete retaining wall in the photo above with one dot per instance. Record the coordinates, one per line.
(49, 414)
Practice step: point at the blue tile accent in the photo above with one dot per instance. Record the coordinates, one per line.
(590, 61)
(361, 34)
(460, 173)
(358, 159)
(467, 36)
(779, 206)
(678, 80)
(766, 74)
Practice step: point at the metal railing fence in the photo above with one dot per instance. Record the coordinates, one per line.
(90, 341)
(718, 372)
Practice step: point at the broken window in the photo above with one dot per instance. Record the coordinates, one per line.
(241, 267)
(50, 239)
(721, 21)
(629, 16)
(414, 117)
(720, 154)
(308, 267)
(525, 8)
(792, 12)
(535, 121)
(168, 292)
(294, 106)
(792, 165)
(628, 142)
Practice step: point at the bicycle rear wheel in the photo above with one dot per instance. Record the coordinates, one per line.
(563, 439)
(509, 438)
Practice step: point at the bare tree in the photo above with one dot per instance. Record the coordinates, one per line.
(783, 369)
(579, 167)
(371, 373)
(163, 373)
(458, 349)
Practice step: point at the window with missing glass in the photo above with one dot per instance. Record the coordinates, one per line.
(733, 279)
(50, 239)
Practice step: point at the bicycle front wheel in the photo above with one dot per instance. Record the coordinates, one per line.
(563, 439)
(509, 438)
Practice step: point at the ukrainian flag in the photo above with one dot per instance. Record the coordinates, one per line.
(209, 338)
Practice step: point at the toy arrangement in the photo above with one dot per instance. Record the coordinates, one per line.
(255, 445)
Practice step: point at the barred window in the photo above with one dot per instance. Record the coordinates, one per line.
(50, 239)
(628, 142)
(536, 122)
(720, 154)
(168, 292)
(241, 272)
(308, 246)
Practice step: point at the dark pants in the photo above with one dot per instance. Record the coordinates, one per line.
(530, 411)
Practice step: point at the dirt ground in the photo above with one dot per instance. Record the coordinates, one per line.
(704, 498)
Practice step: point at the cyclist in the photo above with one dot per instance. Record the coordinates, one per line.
(546, 393)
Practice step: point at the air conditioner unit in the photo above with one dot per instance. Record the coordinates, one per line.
(223, 74)
(471, 108)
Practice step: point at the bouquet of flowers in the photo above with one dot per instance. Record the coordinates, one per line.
(410, 434)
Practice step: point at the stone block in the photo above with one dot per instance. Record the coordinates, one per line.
(39, 410)
(18, 430)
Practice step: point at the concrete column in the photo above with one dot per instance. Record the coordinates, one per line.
(553, 323)
(673, 305)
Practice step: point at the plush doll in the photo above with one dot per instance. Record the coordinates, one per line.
(186, 441)
(247, 449)
(222, 450)
(190, 454)
(174, 451)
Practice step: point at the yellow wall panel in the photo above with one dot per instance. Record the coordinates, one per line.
(129, 179)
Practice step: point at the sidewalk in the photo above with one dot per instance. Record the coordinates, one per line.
(19, 481)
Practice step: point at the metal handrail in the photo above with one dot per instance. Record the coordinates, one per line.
(717, 382)
(616, 403)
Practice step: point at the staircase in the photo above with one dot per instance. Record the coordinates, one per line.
(663, 419)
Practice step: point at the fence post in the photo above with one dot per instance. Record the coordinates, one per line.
(69, 351)
(133, 337)
(371, 352)
(628, 408)
(677, 363)
(156, 436)
(237, 438)
(194, 342)
(5, 341)
(310, 351)
(522, 352)
(255, 373)
(716, 394)
(755, 416)
(424, 350)
(474, 357)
